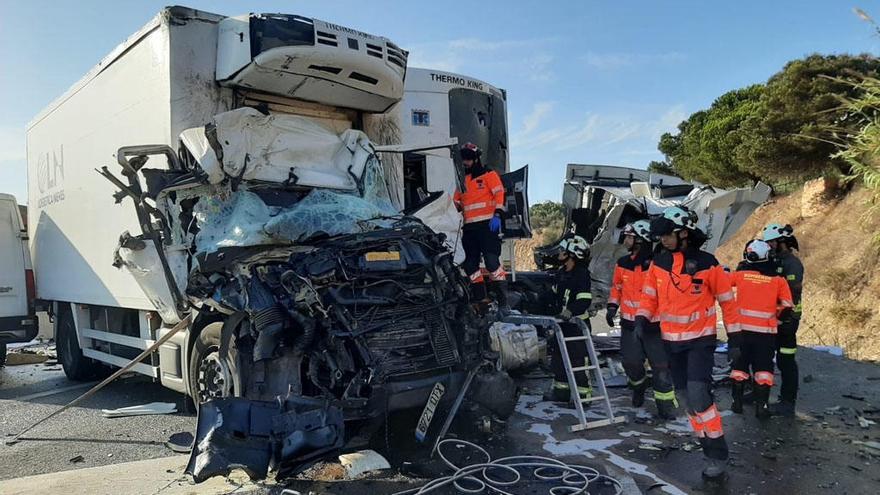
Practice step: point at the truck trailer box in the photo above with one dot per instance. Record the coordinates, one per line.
(177, 72)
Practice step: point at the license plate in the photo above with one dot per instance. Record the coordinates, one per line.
(383, 256)
(428, 413)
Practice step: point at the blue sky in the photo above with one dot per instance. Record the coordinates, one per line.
(587, 81)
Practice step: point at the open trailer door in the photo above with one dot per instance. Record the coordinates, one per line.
(516, 187)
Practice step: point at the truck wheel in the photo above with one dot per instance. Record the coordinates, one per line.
(210, 377)
(76, 366)
(2, 355)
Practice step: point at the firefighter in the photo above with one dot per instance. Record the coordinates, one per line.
(762, 296)
(626, 290)
(782, 240)
(573, 295)
(482, 205)
(680, 289)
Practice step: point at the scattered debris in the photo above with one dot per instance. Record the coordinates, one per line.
(141, 410)
(866, 423)
(830, 349)
(808, 379)
(869, 444)
(853, 397)
(23, 358)
(76, 459)
(180, 442)
(769, 455)
(364, 461)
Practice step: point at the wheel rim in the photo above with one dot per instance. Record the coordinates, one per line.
(215, 380)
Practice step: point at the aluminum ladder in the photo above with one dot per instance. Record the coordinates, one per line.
(592, 366)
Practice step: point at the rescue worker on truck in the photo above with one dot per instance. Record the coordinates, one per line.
(572, 290)
(782, 240)
(482, 205)
(626, 291)
(680, 289)
(761, 296)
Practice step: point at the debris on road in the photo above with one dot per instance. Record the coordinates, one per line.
(76, 459)
(141, 410)
(358, 463)
(181, 442)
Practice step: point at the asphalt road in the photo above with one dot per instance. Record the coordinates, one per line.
(80, 431)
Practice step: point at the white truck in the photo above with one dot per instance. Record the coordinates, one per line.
(18, 322)
(263, 222)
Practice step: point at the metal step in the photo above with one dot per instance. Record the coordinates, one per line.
(584, 368)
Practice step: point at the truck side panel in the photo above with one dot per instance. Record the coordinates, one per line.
(73, 221)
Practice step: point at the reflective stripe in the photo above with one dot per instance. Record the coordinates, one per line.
(739, 375)
(636, 383)
(682, 336)
(798, 308)
(474, 206)
(631, 304)
(726, 296)
(498, 275)
(697, 426)
(714, 433)
(758, 328)
(615, 301)
(666, 396)
(708, 415)
(733, 328)
(644, 312)
(695, 316)
(757, 314)
(791, 277)
(479, 218)
(787, 350)
(565, 296)
(585, 316)
(786, 303)
(497, 189)
(583, 295)
(649, 291)
(764, 378)
(477, 276)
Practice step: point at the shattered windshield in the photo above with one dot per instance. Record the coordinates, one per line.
(241, 218)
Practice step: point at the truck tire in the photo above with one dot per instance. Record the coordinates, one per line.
(2, 355)
(210, 377)
(76, 366)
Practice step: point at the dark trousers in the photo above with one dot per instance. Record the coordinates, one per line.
(480, 242)
(577, 351)
(756, 358)
(786, 348)
(635, 350)
(691, 365)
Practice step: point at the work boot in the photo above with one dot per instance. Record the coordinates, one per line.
(638, 393)
(736, 391)
(783, 408)
(665, 409)
(715, 469)
(762, 397)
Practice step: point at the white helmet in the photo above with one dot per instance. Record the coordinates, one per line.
(757, 251)
(776, 231)
(639, 228)
(681, 217)
(576, 245)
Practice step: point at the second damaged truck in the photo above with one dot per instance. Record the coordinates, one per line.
(264, 223)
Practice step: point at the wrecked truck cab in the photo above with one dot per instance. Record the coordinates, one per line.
(327, 294)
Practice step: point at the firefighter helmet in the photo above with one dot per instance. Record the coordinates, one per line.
(775, 231)
(640, 229)
(674, 218)
(576, 245)
(757, 251)
(470, 151)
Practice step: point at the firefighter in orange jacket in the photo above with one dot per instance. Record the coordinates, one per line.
(626, 292)
(680, 290)
(482, 205)
(760, 291)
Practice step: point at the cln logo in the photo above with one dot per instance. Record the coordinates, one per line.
(50, 169)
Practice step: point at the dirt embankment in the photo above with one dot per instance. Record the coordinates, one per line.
(842, 280)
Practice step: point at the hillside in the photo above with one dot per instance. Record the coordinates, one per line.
(842, 281)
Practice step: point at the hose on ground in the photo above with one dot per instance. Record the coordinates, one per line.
(495, 476)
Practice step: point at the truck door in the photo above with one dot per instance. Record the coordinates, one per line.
(13, 280)
(516, 186)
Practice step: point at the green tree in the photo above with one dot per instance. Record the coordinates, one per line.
(705, 147)
(548, 219)
(788, 138)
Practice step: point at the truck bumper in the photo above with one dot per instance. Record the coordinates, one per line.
(18, 329)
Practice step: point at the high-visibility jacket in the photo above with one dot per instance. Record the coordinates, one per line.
(482, 196)
(573, 290)
(626, 284)
(759, 298)
(681, 289)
